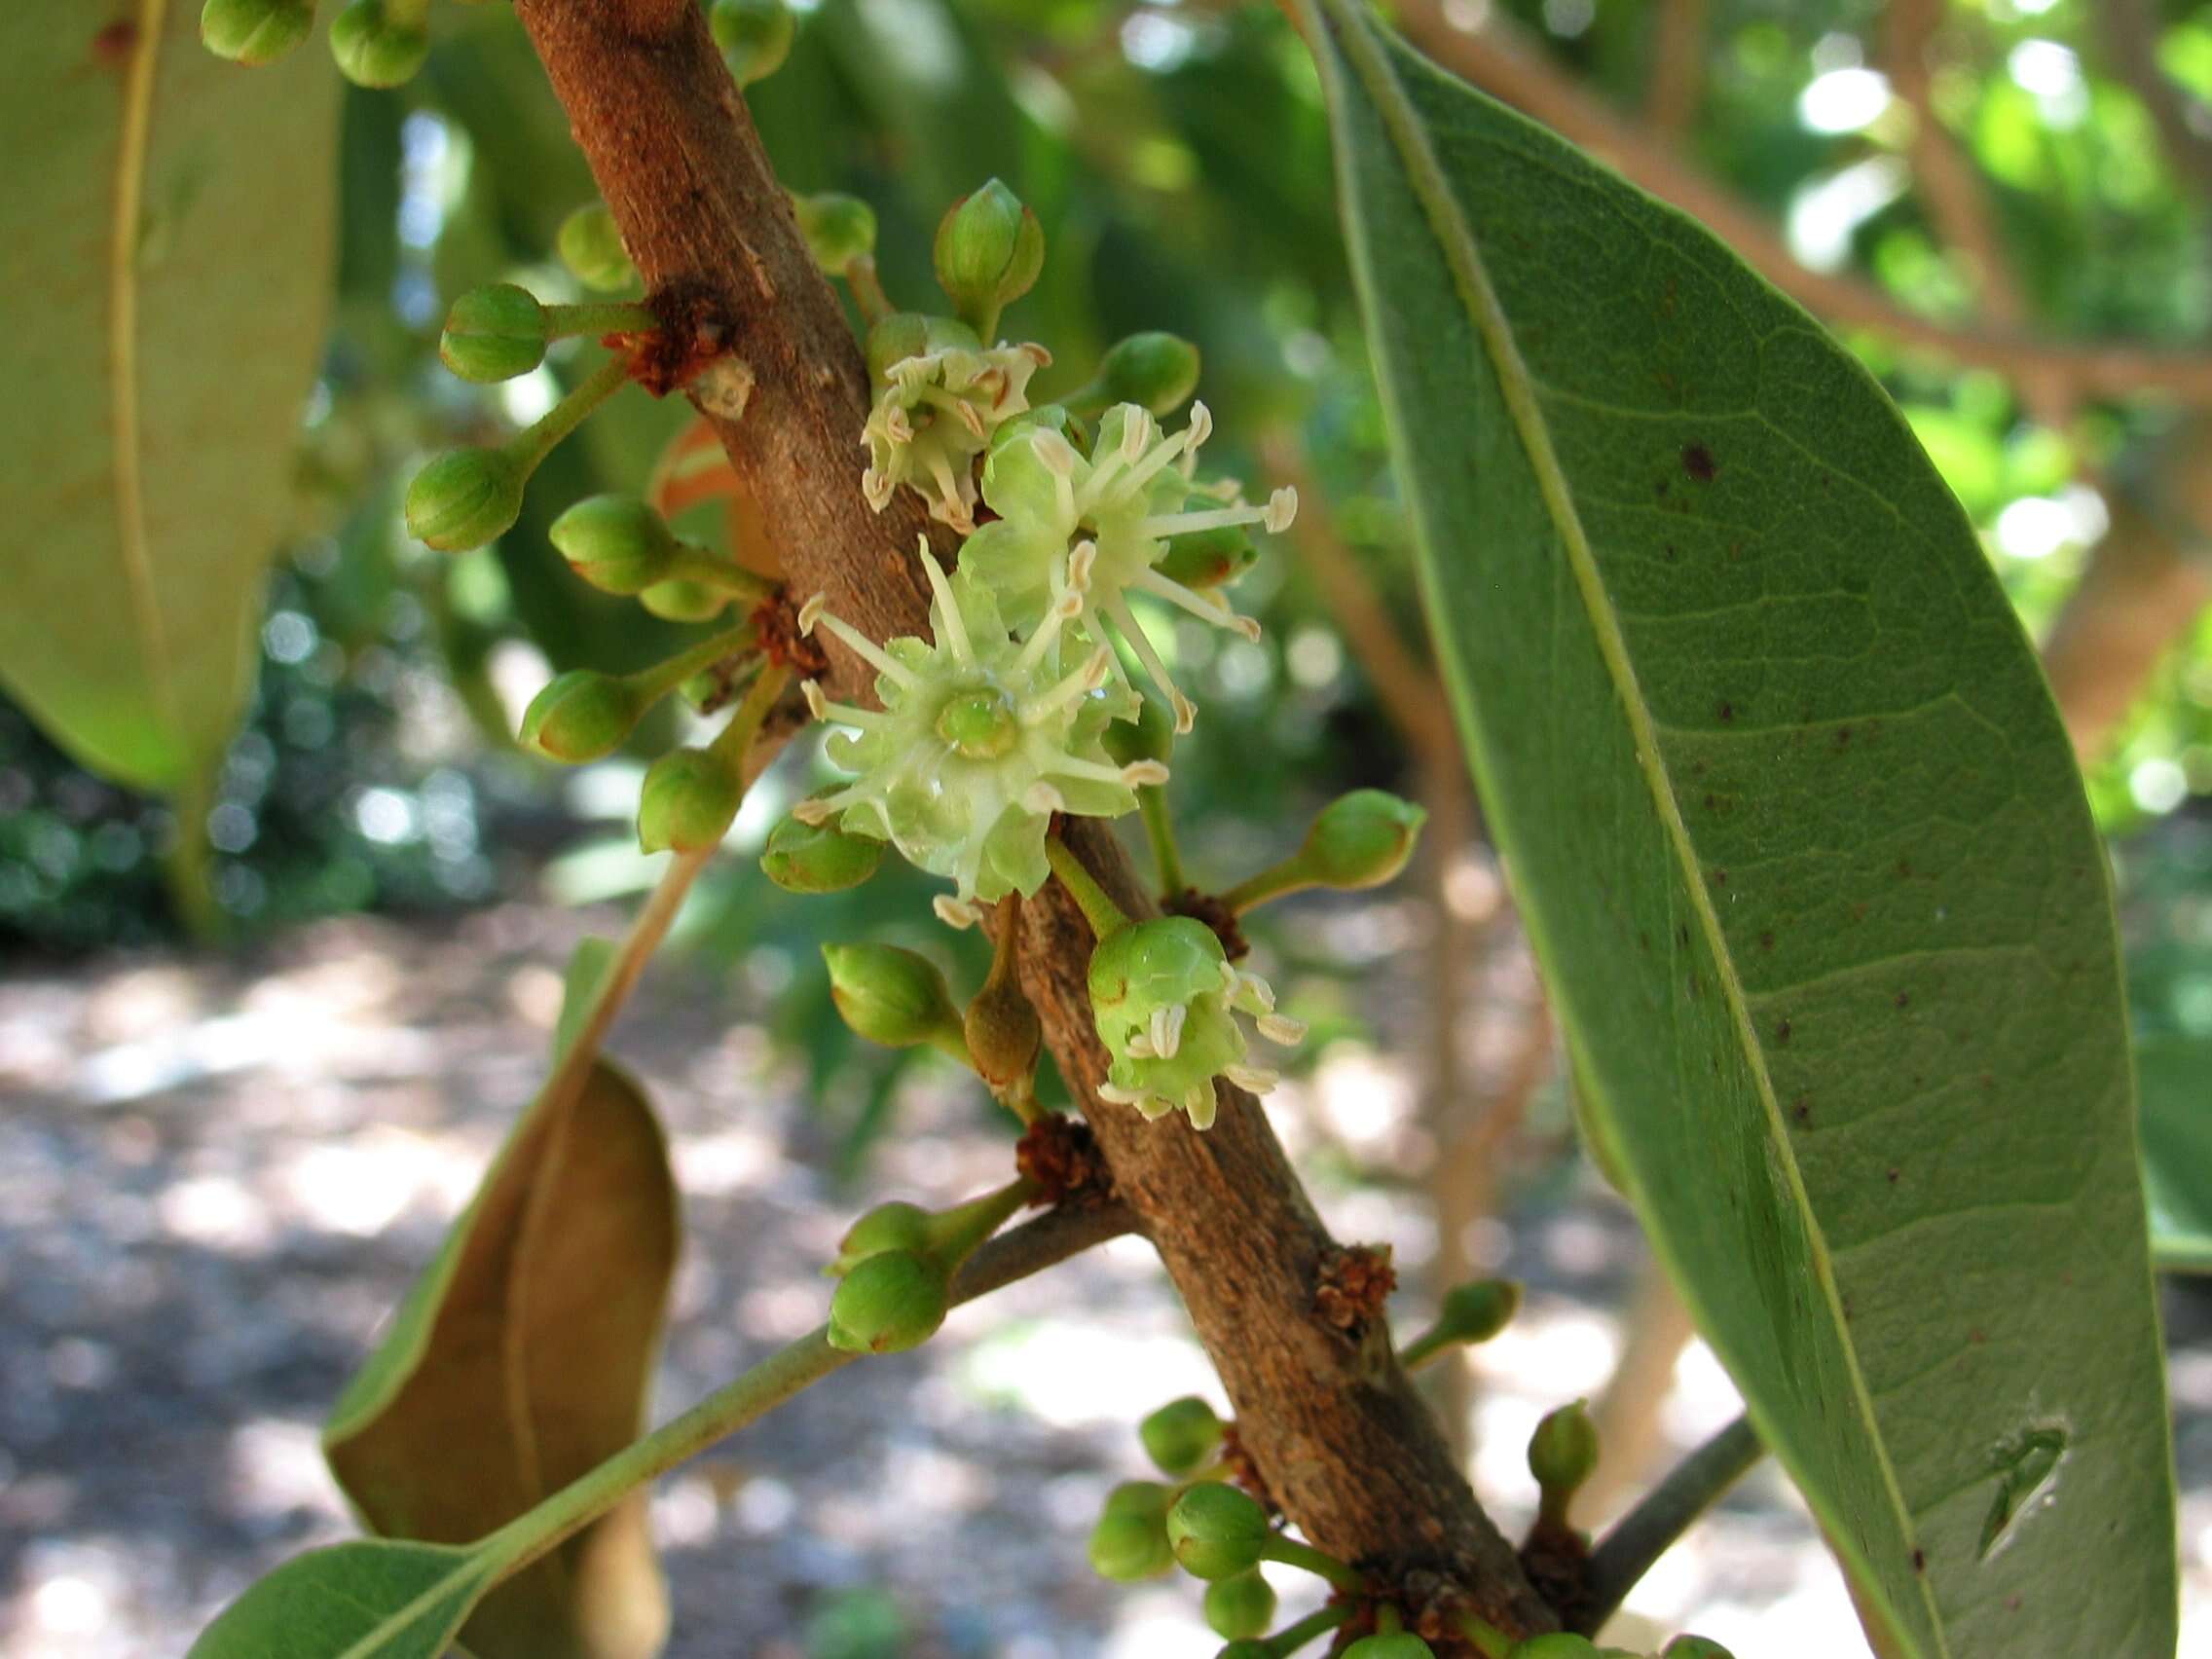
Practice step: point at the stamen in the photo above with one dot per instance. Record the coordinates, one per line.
(1253, 1080)
(1144, 774)
(1242, 984)
(1080, 564)
(816, 810)
(1089, 771)
(1213, 518)
(899, 425)
(1114, 1094)
(1140, 1048)
(1153, 1106)
(1199, 1105)
(861, 645)
(955, 912)
(1042, 641)
(1282, 1028)
(1199, 428)
(1074, 689)
(1282, 508)
(1056, 453)
(950, 495)
(876, 490)
(1185, 712)
(816, 701)
(1137, 433)
(948, 609)
(1166, 1029)
(810, 613)
(1199, 605)
(1041, 796)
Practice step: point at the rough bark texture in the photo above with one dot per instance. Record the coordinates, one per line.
(1343, 1443)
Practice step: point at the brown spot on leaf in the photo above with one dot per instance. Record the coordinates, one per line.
(1766, 942)
(1726, 712)
(1697, 462)
(1782, 1032)
(1892, 1172)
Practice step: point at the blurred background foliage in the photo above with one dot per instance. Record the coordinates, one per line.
(1177, 157)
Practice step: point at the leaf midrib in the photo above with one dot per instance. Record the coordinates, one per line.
(133, 147)
(1456, 242)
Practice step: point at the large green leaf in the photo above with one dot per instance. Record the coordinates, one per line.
(365, 1600)
(1804, 854)
(166, 248)
(519, 1362)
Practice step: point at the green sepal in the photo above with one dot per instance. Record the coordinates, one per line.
(254, 32)
(374, 49)
(464, 498)
(753, 36)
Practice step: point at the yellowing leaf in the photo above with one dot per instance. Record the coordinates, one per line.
(166, 249)
(519, 1362)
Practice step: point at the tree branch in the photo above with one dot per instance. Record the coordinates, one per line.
(1677, 66)
(2131, 36)
(1497, 59)
(1649, 1530)
(1342, 1441)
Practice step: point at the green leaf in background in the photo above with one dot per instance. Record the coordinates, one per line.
(1804, 852)
(166, 248)
(519, 1362)
(365, 1600)
(2174, 1073)
(581, 983)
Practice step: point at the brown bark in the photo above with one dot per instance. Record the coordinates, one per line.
(2140, 593)
(1342, 1441)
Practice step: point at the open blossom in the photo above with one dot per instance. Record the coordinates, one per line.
(935, 415)
(980, 739)
(1103, 524)
(1164, 995)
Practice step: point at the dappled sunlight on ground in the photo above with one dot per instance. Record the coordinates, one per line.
(217, 1179)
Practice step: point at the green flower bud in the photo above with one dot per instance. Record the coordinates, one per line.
(1130, 1542)
(1403, 1645)
(254, 32)
(1217, 1532)
(1154, 370)
(374, 49)
(890, 1302)
(464, 498)
(1687, 1647)
(1240, 1606)
(838, 229)
(1562, 1454)
(1555, 1644)
(989, 250)
(689, 801)
(617, 543)
(894, 1226)
(1207, 559)
(1477, 1312)
(580, 716)
(753, 36)
(684, 600)
(1150, 736)
(493, 333)
(810, 857)
(891, 996)
(1003, 1033)
(1181, 1435)
(1361, 839)
(592, 249)
(914, 334)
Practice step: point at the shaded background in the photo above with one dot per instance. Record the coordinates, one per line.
(223, 1161)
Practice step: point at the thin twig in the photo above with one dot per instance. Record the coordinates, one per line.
(1677, 66)
(1497, 57)
(1649, 1530)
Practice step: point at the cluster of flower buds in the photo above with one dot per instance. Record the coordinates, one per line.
(377, 43)
(894, 1267)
